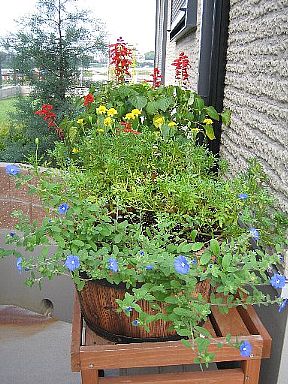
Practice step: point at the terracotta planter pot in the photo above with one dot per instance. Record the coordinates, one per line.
(99, 309)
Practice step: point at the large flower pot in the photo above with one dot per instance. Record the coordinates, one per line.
(99, 309)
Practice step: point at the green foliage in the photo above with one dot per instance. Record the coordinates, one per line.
(148, 201)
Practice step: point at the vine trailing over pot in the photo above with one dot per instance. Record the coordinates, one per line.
(137, 205)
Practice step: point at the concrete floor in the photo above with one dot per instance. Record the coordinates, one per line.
(34, 348)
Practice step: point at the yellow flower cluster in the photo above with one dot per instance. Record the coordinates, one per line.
(208, 121)
(101, 110)
(158, 121)
(133, 114)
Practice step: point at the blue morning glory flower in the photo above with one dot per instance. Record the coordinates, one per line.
(277, 280)
(181, 265)
(254, 233)
(72, 262)
(113, 264)
(12, 234)
(149, 267)
(141, 253)
(283, 305)
(63, 208)
(245, 348)
(19, 264)
(12, 169)
(243, 196)
(135, 323)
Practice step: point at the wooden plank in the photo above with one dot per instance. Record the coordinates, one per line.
(91, 338)
(256, 327)
(76, 335)
(251, 369)
(234, 376)
(90, 376)
(230, 323)
(160, 354)
(208, 325)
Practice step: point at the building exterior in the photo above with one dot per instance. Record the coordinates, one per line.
(238, 55)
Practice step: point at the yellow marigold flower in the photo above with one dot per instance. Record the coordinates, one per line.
(136, 112)
(208, 121)
(111, 112)
(172, 124)
(130, 116)
(196, 130)
(158, 121)
(80, 121)
(75, 150)
(100, 110)
(108, 121)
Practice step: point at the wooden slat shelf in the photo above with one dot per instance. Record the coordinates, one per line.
(91, 354)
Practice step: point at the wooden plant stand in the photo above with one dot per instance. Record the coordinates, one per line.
(90, 353)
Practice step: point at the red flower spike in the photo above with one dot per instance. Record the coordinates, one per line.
(47, 115)
(88, 99)
(182, 65)
(121, 57)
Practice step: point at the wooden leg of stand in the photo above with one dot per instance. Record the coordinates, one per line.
(251, 369)
(90, 376)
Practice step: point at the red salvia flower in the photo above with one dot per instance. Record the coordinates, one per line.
(88, 99)
(156, 78)
(47, 114)
(182, 66)
(121, 57)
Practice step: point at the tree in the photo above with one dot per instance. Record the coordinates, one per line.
(53, 43)
(149, 55)
(48, 49)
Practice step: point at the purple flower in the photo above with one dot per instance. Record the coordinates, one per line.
(283, 305)
(245, 348)
(63, 208)
(254, 233)
(149, 267)
(19, 264)
(12, 169)
(243, 196)
(277, 280)
(135, 323)
(72, 262)
(113, 264)
(181, 265)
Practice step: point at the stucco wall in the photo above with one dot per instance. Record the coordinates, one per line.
(256, 90)
(190, 45)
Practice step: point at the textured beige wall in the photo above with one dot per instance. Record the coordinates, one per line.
(256, 90)
(190, 45)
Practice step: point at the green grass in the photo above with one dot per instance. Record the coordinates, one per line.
(6, 106)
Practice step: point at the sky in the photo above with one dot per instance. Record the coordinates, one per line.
(134, 20)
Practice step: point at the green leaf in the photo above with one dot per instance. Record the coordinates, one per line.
(151, 108)
(215, 247)
(193, 234)
(79, 243)
(209, 130)
(226, 261)
(197, 246)
(186, 343)
(211, 112)
(138, 102)
(226, 117)
(205, 258)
